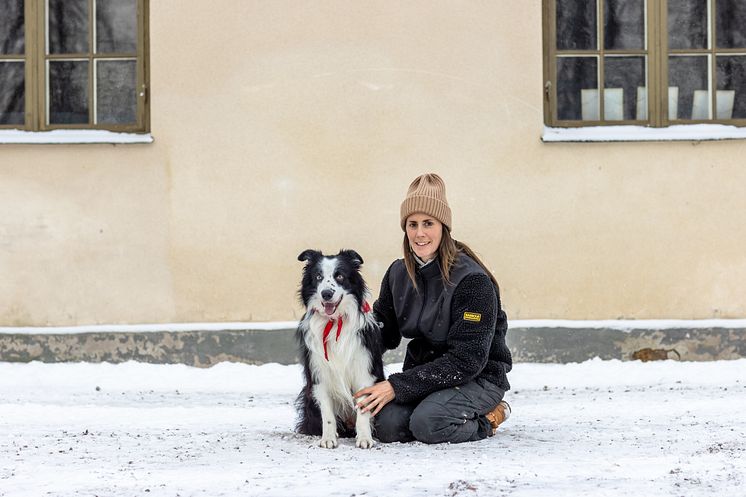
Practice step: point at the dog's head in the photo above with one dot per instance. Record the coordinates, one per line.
(332, 284)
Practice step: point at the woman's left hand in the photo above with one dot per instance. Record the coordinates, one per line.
(378, 396)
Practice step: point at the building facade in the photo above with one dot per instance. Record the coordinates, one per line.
(284, 125)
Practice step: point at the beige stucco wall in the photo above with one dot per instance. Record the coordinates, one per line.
(285, 125)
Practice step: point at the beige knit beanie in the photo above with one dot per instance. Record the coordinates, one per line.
(427, 194)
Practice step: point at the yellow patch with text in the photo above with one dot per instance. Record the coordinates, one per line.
(474, 317)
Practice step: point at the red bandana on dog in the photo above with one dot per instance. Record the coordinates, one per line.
(330, 324)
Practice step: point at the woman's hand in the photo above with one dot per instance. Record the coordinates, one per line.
(375, 397)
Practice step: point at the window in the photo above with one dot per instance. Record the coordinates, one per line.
(645, 62)
(74, 64)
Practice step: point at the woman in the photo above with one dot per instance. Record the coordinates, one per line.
(443, 298)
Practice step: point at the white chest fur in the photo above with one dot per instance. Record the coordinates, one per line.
(349, 363)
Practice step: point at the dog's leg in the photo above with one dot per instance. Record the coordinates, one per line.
(364, 435)
(328, 420)
(363, 421)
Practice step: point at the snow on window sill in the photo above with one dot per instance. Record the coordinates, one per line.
(71, 136)
(688, 132)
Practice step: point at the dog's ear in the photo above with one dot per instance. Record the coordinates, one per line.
(309, 255)
(357, 261)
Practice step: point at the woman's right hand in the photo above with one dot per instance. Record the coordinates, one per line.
(375, 398)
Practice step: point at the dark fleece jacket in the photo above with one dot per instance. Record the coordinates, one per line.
(457, 330)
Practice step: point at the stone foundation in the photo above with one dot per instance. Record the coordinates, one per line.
(205, 348)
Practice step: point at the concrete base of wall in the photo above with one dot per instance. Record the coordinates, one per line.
(205, 348)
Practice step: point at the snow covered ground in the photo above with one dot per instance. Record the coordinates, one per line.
(598, 428)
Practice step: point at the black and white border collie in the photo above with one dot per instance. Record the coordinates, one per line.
(340, 348)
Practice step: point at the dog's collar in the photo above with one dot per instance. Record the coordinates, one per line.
(330, 325)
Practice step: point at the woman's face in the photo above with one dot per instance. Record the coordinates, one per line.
(424, 233)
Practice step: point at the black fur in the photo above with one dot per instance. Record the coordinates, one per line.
(349, 263)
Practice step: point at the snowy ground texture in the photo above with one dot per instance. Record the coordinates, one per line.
(599, 428)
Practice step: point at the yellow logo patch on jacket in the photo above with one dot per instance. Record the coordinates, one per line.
(474, 317)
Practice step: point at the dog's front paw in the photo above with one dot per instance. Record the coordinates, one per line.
(364, 442)
(328, 443)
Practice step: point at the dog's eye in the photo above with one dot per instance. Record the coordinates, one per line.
(319, 277)
(340, 278)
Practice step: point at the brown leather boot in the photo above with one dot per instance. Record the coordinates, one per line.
(498, 415)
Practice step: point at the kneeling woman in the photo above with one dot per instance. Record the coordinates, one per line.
(443, 298)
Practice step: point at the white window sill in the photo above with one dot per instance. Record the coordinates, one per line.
(688, 132)
(71, 136)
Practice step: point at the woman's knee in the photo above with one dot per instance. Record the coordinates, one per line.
(392, 424)
(430, 423)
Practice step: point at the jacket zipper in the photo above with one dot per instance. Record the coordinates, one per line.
(424, 303)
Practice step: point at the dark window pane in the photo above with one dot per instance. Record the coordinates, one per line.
(624, 24)
(68, 92)
(116, 26)
(116, 98)
(687, 24)
(624, 85)
(576, 25)
(12, 40)
(577, 88)
(12, 84)
(687, 77)
(68, 26)
(731, 23)
(731, 95)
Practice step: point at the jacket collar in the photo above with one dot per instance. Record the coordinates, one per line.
(420, 262)
(430, 270)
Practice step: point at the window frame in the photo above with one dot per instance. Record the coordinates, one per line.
(35, 72)
(658, 52)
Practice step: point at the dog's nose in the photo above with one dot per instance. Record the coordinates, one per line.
(327, 294)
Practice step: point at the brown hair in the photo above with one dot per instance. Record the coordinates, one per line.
(448, 253)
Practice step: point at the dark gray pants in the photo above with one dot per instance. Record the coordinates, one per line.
(452, 415)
